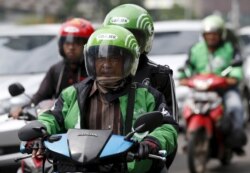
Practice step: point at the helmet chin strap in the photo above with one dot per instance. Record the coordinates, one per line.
(78, 63)
(59, 80)
(61, 76)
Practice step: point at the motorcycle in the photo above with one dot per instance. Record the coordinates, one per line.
(9, 127)
(94, 150)
(206, 127)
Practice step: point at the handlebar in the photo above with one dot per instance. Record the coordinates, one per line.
(160, 156)
(153, 156)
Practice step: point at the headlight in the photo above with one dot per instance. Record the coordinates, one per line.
(202, 84)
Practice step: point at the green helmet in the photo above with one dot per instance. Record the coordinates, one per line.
(137, 20)
(112, 41)
(214, 23)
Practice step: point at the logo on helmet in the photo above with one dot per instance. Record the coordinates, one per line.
(106, 36)
(71, 29)
(150, 29)
(119, 20)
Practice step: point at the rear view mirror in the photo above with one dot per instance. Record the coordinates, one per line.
(148, 121)
(181, 69)
(16, 89)
(32, 131)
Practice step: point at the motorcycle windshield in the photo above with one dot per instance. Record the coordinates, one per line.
(115, 146)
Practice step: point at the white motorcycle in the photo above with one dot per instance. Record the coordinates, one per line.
(9, 143)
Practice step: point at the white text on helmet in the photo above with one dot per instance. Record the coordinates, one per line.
(119, 20)
(107, 36)
(71, 29)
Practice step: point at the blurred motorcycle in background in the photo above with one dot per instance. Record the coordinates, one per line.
(9, 143)
(207, 128)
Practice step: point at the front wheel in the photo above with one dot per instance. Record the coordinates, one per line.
(198, 151)
(227, 156)
(246, 106)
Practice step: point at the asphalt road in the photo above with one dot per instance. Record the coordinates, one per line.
(238, 164)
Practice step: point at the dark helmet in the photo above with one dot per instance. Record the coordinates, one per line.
(137, 20)
(74, 30)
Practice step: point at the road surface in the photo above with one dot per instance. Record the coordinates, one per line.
(238, 164)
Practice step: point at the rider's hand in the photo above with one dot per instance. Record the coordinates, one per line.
(146, 147)
(232, 81)
(15, 112)
(38, 149)
(183, 81)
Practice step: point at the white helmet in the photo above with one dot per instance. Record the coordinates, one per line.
(214, 23)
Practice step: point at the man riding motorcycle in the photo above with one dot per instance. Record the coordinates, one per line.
(102, 100)
(213, 55)
(73, 35)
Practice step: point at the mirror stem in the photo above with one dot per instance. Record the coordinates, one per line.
(130, 134)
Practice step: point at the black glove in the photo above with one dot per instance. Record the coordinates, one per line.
(146, 147)
(35, 147)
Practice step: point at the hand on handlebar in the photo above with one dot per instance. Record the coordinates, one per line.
(15, 112)
(232, 81)
(147, 147)
(36, 148)
(183, 81)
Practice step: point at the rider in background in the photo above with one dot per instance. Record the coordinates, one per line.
(73, 34)
(213, 55)
(101, 100)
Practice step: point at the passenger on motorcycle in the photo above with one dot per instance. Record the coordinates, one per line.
(101, 100)
(73, 35)
(213, 55)
(138, 21)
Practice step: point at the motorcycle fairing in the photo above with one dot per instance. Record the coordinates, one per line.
(82, 146)
(86, 145)
(217, 113)
(200, 121)
(116, 145)
(212, 82)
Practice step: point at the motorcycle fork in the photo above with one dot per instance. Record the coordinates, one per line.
(219, 143)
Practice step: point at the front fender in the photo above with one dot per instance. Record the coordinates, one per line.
(197, 122)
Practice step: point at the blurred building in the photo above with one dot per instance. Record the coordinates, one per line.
(159, 4)
(12, 10)
(232, 10)
(237, 12)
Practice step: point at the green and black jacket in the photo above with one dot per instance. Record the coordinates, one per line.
(71, 107)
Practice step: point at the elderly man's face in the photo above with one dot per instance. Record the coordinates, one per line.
(109, 67)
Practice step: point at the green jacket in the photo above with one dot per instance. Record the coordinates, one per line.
(67, 113)
(202, 61)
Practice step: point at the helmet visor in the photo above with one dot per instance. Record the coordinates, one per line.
(72, 39)
(108, 61)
